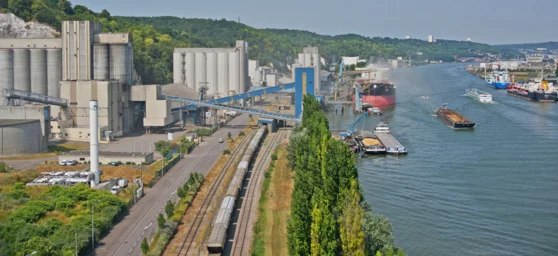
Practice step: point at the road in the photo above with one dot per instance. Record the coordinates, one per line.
(125, 238)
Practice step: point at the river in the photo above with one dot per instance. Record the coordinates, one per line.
(491, 191)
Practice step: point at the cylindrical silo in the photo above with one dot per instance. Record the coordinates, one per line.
(177, 68)
(118, 71)
(39, 71)
(22, 70)
(301, 59)
(101, 62)
(6, 71)
(317, 66)
(234, 72)
(211, 72)
(191, 70)
(130, 64)
(308, 60)
(223, 73)
(54, 71)
(201, 70)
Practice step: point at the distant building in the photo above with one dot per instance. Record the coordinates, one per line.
(347, 61)
(431, 39)
(408, 37)
(468, 39)
(537, 58)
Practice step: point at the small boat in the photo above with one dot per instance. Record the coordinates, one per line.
(382, 128)
(455, 120)
(479, 95)
(375, 111)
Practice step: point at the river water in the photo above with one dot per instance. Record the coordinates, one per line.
(491, 191)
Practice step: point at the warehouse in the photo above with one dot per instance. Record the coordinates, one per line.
(19, 137)
(224, 71)
(82, 156)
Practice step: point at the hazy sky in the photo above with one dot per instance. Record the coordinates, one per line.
(487, 21)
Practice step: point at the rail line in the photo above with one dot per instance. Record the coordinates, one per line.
(239, 245)
(192, 232)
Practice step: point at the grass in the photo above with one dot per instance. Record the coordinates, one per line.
(29, 157)
(270, 230)
(53, 151)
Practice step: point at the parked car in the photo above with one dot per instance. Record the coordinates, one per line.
(115, 190)
(114, 163)
(123, 183)
(63, 162)
(71, 162)
(221, 140)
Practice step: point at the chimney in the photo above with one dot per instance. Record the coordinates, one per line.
(94, 143)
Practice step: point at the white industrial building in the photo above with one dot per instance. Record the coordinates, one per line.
(310, 58)
(347, 61)
(431, 39)
(223, 71)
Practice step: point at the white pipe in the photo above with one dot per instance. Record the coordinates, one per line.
(94, 136)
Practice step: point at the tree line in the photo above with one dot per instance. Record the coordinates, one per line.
(329, 215)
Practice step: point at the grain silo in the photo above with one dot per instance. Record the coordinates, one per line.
(234, 77)
(118, 61)
(178, 67)
(211, 72)
(101, 62)
(39, 71)
(6, 70)
(223, 73)
(201, 70)
(191, 70)
(54, 71)
(22, 70)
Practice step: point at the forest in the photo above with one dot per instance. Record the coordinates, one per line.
(329, 215)
(154, 39)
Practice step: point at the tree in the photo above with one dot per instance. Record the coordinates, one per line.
(66, 7)
(144, 246)
(229, 135)
(3, 3)
(21, 8)
(169, 209)
(161, 221)
(350, 223)
(163, 147)
(105, 14)
(378, 233)
(390, 251)
(181, 192)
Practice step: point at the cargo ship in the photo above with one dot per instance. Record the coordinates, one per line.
(542, 91)
(498, 79)
(455, 120)
(479, 95)
(378, 93)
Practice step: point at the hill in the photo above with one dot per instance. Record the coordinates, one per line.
(154, 39)
(532, 46)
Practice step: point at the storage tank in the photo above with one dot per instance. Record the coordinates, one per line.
(22, 70)
(222, 73)
(6, 71)
(54, 71)
(191, 70)
(39, 71)
(234, 70)
(178, 68)
(308, 60)
(201, 70)
(118, 58)
(101, 62)
(317, 65)
(18, 137)
(211, 72)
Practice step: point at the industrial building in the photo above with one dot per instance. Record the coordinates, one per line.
(310, 58)
(223, 71)
(83, 156)
(26, 134)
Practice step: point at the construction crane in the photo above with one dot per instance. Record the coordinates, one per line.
(352, 129)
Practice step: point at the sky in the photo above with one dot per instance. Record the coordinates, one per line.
(484, 21)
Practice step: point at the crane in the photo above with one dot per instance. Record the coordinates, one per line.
(352, 129)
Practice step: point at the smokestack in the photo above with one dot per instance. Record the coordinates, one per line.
(94, 136)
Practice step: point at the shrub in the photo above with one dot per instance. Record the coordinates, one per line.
(241, 133)
(144, 246)
(181, 192)
(161, 221)
(169, 209)
(226, 152)
(274, 157)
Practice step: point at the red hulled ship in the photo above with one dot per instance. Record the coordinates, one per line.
(378, 93)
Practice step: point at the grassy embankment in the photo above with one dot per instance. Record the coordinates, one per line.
(52, 151)
(270, 230)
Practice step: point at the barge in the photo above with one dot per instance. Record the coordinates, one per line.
(371, 144)
(455, 120)
(392, 146)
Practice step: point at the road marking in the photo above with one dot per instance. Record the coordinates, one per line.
(148, 226)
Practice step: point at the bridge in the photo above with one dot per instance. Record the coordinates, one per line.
(14, 95)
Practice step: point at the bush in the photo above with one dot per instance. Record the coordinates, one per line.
(226, 152)
(274, 157)
(161, 221)
(241, 133)
(169, 209)
(181, 192)
(144, 246)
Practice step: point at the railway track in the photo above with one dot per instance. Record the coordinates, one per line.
(189, 240)
(240, 247)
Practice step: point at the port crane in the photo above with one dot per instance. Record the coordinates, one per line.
(352, 129)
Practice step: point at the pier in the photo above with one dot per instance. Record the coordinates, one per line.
(392, 145)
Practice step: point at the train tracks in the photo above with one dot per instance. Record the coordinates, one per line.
(243, 234)
(189, 243)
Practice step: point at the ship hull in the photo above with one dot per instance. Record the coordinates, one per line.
(498, 85)
(455, 124)
(535, 96)
(379, 101)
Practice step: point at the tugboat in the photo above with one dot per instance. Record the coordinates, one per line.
(374, 111)
(455, 120)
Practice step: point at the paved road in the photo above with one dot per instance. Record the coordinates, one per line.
(125, 238)
(29, 163)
